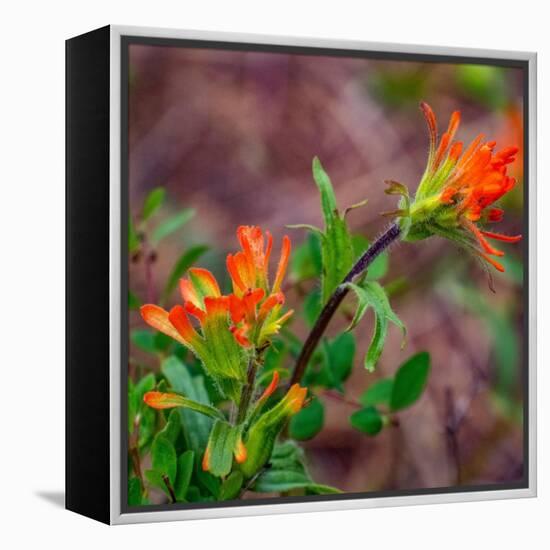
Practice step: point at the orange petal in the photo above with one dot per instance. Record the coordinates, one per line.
(503, 238)
(497, 265)
(483, 241)
(189, 294)
(268, 250)
(271, 388)
(240, 334)
(204, 282)
(251, 300)
(206, 460)
(195, 311)
(159, 400)
(180, 321)
(240, 451)
(276, 299)
(236, 308)
(495, 214)
(216, 306)
(455, 151)
(429, 115)
(295, 398)
(158, 318)
(283, 262)
(242, 271)
(234, 273)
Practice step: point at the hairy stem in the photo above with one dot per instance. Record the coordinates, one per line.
(378, 246)
(248, 389)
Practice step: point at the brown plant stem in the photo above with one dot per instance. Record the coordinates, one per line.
(378, 246)
(169, 487)
(248, 388)
(134, 454)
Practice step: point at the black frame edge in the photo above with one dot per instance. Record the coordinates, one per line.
(87, 452)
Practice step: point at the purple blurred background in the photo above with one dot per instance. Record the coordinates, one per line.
(232, 135)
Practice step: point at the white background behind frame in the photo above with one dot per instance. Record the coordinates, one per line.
(32, 227)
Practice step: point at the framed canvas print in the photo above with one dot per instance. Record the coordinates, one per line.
(300, 274)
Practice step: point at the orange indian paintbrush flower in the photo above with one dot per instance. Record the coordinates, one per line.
(254, 306)
(215, 346)
(457, 192)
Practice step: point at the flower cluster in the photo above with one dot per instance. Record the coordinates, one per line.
(458, 190)
(229, 324)
(228, 337)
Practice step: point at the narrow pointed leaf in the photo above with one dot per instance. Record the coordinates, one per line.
(371, 294)
(153, 202)
(185, 465)
(171, 224)
(196, 426)
(336, 245)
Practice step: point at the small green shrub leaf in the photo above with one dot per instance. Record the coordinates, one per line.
(196, 426)
(367, 420)
(134, 492)
(410, 381)
(378, 394)
(163, 457)
(231, 487)
(185, 466)
(308, 422)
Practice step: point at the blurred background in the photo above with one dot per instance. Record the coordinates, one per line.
(232, 135)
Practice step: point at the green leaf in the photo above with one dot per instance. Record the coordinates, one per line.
(221, 444)
(371, 294)
(153, 202)
(186, 260)
(379, 393)
(308, 422)
(231, 487)
(207, 481)
(336, 244)
(484, 83)
(139, 411)
(306, 260)
(379, 266)
(185, 466)
(276, 481)
(172, 427)
(340, 355)
(144, 340)
(155, 478)
(410, 381)
(312, 307)
(133, 301)
(171, 224)
(163, 457)
(133, 240)
(175, 400)
(196, 427)
(367, 420)
(134, 492)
